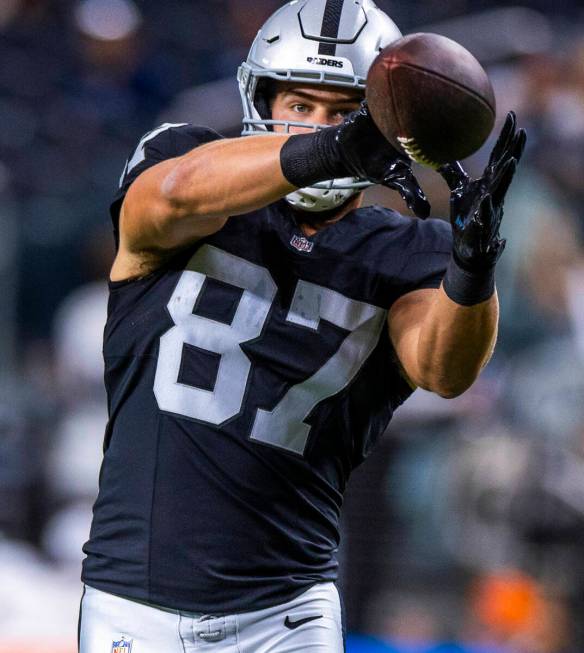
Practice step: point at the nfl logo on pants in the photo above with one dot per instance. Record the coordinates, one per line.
(123, 646)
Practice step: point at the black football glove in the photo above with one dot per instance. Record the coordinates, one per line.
(354, 148)
(367, 154)
(476, 205)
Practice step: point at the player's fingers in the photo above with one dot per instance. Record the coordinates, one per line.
(401, 178)
(504, 140)
(519, 145)
(501, 150)
(503, 180)
(453, 174)
(412, 195)
(514, 151)
(418, 203)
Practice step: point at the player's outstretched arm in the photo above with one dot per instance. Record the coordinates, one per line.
(445, 337)
(182, 199)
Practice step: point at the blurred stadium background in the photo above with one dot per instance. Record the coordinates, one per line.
(465, 530)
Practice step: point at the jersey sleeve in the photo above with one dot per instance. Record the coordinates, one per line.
(165, 142)
(426, 264)
(426, 250)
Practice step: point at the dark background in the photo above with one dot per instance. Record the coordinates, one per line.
(467, 524)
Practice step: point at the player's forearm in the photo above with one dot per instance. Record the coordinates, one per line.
(227, 177)
(455, 343)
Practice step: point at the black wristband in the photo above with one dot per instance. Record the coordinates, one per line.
(308, 158)
(468, 288)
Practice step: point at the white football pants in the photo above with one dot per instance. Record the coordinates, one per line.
(310, 623)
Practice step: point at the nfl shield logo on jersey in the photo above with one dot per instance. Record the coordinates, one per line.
(123, 646)
(301, 243)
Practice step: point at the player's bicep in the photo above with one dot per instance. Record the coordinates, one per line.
(404, 321)
(144, 209)
(151, 218)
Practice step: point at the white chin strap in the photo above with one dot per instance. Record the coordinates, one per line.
(315, 199)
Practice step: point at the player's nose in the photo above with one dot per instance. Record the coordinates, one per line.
(322, 115)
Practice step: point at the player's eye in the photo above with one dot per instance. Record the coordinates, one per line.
(299, 108)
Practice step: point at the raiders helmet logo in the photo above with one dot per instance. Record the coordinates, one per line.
(323, 61)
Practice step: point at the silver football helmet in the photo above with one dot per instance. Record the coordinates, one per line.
(329, 42)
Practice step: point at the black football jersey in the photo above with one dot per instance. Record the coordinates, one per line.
(245, 380)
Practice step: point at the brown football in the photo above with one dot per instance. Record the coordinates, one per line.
(431, 98)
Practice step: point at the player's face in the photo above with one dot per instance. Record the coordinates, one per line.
(319, 105)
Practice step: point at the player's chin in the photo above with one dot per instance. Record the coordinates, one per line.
(320, 217)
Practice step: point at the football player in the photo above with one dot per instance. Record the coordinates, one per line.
(262, 328)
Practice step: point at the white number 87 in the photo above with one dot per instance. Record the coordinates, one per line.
(284, 426)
